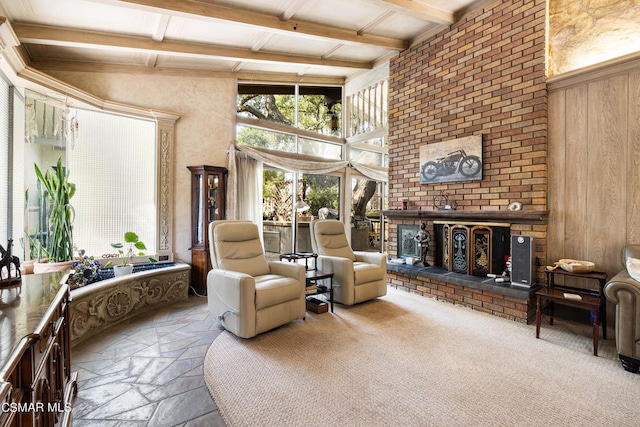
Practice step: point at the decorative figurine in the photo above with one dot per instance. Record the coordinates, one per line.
(5, 263)
(423, 238)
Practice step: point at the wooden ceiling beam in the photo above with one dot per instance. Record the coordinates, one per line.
(422, 9)
(59, 36)
(248, 76)
(257, 19)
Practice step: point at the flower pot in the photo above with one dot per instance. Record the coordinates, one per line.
(122, 270)
(27, 266)
(48, 267)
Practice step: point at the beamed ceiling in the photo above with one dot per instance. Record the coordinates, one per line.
(320, 41)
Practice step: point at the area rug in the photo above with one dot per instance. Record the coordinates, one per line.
(406, 360)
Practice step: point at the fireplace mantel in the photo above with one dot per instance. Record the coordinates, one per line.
(513, 217)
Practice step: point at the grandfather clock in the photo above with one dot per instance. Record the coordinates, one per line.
(208, 185)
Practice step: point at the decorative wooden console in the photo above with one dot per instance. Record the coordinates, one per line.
(36, 382)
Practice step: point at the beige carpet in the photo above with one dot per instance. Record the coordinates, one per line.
(405, 360)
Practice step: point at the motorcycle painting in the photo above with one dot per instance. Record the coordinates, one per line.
(449, 161)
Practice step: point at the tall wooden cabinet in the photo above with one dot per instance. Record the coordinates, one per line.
(208, 195)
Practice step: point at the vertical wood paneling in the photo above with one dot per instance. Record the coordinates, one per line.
(607, 148)
(556, 163)
(633, 159)
(594, 202)
(576, 173)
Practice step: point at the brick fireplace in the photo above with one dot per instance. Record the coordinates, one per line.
(483, 75)
(465, 283)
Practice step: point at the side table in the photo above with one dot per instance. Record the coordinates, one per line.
(306, 256)
(313, 276)
(586, 299)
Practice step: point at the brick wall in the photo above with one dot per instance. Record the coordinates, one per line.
(483, 75)
(519, 310)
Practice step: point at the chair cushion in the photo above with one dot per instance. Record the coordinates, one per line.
(238, 248)
(633, 268)
(366, 272)
(272, 289)
(331, 240)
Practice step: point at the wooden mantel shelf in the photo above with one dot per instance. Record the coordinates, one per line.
(513, 217)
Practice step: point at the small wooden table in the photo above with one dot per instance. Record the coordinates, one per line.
(587, 299)
(312, 279)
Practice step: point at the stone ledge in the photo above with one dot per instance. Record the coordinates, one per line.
(103, 304)
(475, 282)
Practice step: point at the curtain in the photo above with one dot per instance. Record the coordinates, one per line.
(245, 188)
(293, 162)
(303, 163)
(374, 173)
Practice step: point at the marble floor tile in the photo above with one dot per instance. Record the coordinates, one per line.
(148, 371)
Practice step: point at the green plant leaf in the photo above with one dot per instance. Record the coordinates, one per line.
(130, 237)
(140, 246)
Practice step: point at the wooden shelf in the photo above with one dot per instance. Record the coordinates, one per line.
(513, 217)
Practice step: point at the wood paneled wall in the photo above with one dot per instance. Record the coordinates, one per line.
(594, 164)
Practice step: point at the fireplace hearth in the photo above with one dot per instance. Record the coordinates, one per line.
(487, 242)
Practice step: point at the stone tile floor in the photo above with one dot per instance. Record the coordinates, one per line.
(148, 371)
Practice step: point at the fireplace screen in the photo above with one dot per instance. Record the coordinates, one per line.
(475, 249)
(407, 245)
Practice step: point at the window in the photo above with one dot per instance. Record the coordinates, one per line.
(112, 161)
(318, 108)
(5, 188)
(113, 165)
(308, 120)
(367, 109)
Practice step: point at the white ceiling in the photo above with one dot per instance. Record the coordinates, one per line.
(330, 39)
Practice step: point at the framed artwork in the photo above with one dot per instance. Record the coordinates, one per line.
(449, 161)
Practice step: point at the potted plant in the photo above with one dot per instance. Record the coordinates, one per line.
(59, 220)
(84, 271)
(131, 247)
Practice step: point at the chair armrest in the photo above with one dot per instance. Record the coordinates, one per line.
(342, 268)
(376, 258)
(233, 290)
(288, 269)
(623, 289)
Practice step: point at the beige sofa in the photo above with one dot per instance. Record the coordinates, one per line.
(358, 276)
(624, 291)
(248, 294)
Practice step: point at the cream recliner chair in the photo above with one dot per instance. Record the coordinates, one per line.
(624, 291)
(248, 294)
(357, 276)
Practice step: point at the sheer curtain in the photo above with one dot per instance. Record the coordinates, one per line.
(245, 188)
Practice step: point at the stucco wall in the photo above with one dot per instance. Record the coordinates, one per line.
(203, 133)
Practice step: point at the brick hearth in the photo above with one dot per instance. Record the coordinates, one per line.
(478, 293)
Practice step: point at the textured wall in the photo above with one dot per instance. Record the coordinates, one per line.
(483, 76)
(203, 133)
(586, 32)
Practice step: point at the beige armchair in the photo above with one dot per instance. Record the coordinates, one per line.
(248, 294)
(358, 276)
(624, 291)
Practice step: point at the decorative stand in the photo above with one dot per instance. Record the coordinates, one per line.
(6, 262)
